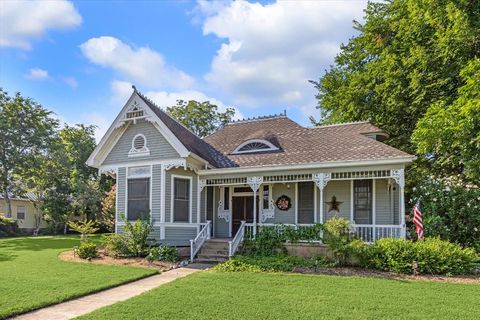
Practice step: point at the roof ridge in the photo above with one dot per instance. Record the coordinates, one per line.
(340, 124)
(259, 118)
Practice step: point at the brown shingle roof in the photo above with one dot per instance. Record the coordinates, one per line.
(300, 145)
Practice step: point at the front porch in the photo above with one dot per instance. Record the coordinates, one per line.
(373, 200)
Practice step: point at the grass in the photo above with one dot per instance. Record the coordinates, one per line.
(244, 295)
(31, 275)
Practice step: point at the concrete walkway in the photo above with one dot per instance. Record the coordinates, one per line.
(86, 304)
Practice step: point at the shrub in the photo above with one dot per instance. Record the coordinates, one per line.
(268, 241)
(85, 228)
(162, 253)
(310, 233)
(8, 227)
(429, 256)
(132, 242)
(338, 238)
(115, 246)
(86, 250)
(275, 263)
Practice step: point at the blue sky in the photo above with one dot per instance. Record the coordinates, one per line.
(80, 58)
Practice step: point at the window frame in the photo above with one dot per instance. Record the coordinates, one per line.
(172, 197)
(24, 212)
(144, 151)
(370, 200)
(299, 198)
(130, 174)
(270, 146)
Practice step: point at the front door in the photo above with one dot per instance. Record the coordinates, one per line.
(242, 210)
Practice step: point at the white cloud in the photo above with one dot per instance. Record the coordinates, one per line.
(22, 21)
(140, 65)
(122, 91)
(272, 50)
(37, 74)
(71, 82)
(100, 121)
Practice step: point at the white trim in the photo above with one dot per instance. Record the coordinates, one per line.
(230, 210)
(270, 146)
(352, 203)
(144, 151)
(199, 193)
(143, 176)
(315, 204)
(190, 201)
(374, 214)
(116, 200)
(318, 165)
(296, 203)
(180, 161)
(151, 193)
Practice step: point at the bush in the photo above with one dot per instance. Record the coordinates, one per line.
(163, 253)
(338, 238)
(451, 212)
(8, 227)
(275, 263)
(268, 241)
(429, 256)
(132, 242)
(310, 233)
(85, 228)
(86, 250)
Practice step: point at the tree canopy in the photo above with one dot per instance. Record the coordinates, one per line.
(202, 118)
(406, 58)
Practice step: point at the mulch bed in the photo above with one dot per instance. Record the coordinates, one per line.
(359, 272)
(133, 262)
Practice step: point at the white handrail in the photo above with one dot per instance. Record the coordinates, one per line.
(235, 242)
(199, 240)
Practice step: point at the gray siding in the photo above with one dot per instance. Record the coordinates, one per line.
(283, 216)
(341, 190)
(386, 203)
(121, 190)
(168, 192)
(154, 234)
(179, 236)
(203, 202)
(156, 192)
(159, 147)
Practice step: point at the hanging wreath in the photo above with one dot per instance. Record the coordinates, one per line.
(283, 203)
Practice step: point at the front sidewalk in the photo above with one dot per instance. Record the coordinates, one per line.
(86, 304)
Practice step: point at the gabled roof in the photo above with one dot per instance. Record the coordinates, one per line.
(300, 145)
(26, 196)
(191, 141)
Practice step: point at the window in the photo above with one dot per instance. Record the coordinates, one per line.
(305, 202)
(181, 200)
(252, 146)
(20, 213)
(139, 146)
(266, 197)
(138, 199)
(226, 198)
(362, 197)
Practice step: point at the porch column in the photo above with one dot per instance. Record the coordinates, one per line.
(254, 183)
(321, 180)
(399, 177)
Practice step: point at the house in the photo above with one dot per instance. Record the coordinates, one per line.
(23, 211)
(248, 175)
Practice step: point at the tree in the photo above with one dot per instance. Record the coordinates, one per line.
(448, 137)
(26, 130)
(407, 57)
(202, 118)
(107, 215)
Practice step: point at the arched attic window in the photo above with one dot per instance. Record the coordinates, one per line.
(254, 146)
(139, 146)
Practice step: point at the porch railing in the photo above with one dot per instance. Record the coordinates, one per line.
(197, 243)
(370, 233)
(235, 242)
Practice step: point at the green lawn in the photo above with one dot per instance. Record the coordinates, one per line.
(217, 295)
(32, 276)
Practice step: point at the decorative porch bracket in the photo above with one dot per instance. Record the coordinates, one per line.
(202, 183)
(321, 180)
(254, 183)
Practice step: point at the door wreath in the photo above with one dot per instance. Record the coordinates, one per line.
(283, 203)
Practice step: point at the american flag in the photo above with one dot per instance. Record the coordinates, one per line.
(417, 220)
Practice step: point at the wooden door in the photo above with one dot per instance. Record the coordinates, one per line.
(242, 210)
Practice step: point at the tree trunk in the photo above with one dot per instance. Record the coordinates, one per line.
(65, 228)
(9, 205)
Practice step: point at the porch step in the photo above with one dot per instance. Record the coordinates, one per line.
(213, 250)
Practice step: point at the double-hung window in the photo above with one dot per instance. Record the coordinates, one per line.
(362, 197)
(21, 213)
(181, 200)
(138, 199)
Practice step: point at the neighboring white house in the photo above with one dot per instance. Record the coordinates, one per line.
(262, 171)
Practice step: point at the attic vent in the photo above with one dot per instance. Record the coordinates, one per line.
(139, 146)
(134, 113)
(252, 146)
